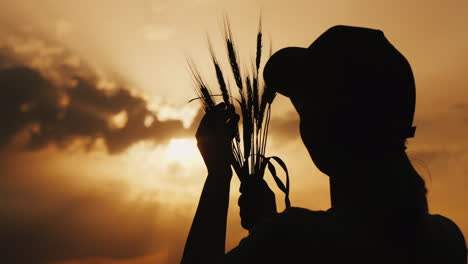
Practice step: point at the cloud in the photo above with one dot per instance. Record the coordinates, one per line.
(47, 104)
(50, 96)
(47, 218)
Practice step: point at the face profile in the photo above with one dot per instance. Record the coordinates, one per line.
(354, 92)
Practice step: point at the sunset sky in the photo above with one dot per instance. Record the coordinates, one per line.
(95, 113)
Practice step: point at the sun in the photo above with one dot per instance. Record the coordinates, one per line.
(181, 150)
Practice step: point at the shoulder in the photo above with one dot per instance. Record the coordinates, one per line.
(443, 227)
(445, 238)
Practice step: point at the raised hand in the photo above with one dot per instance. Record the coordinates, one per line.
(215, 134)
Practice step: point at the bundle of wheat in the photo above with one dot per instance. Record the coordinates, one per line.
(255, 100)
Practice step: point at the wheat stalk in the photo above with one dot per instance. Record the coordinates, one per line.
(255, 100)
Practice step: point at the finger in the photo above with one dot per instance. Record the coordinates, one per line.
(214, 112)
(232, 126)
(224, 112)
(221, 117)
(220, 107)
(234, 119)
(231, 114)
(230, 109)
(214, 118)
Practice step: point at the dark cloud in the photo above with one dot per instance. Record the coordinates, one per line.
(45, 112)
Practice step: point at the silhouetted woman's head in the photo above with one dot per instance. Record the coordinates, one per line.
(353, 90)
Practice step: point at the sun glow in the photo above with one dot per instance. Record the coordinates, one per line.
(181, 150)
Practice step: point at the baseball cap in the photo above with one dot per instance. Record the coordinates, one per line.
(357, 69)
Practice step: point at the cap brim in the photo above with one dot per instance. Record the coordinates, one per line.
(283, 71)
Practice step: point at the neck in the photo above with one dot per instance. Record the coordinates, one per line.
(369, 182)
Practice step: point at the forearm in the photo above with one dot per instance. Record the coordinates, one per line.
(207, 236)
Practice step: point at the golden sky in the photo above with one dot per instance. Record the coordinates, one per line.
(94, 111)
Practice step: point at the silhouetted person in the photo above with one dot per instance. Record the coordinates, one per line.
(355, 95)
